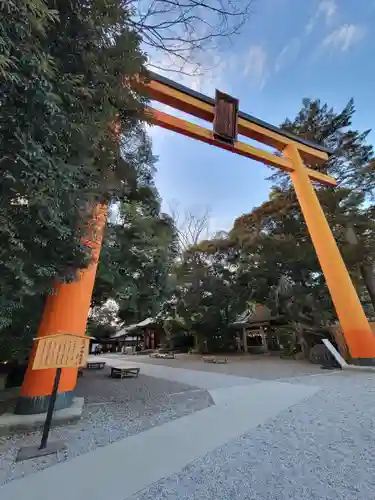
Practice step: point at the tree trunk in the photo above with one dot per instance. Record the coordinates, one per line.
(367, 273)
(366, 270)
(197, 343)
(299, 340)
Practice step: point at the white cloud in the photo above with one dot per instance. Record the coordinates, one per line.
(202, 75)
(326, 9)
(256, 65)
(344, 37)
(288, 54)
(214, 77)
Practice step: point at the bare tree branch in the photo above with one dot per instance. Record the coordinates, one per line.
(192, 225)
(183, 30)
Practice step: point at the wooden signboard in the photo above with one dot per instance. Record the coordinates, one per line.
(226, 117)
(63, 350)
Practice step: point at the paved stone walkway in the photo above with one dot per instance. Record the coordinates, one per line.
(307, 439)
(114, 410)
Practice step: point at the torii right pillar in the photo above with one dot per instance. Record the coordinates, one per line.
(356, 328)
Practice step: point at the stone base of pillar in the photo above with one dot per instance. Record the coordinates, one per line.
(30, 405)
(363, 361)
(11, 423)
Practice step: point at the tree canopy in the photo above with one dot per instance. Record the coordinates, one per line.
(138, 251)
(62, 86)
(65, 95)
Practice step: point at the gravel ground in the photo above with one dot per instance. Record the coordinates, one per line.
(114, 409)
(253, 366)
(320, 449)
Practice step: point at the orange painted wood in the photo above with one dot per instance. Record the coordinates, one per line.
(66, 310)
(192, 105)
(357, 331)
(202, 134)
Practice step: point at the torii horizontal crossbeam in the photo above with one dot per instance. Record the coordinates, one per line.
(202, 134)
(201, 106)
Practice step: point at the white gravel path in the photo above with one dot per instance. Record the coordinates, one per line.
(114, 409)
(320, 449)
(132, 464)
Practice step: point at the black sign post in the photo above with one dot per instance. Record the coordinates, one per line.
(51, 407)
(45, 448)
(55, 352)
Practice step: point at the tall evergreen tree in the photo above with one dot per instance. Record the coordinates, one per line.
(351, 163)
(138, 251)
(63, 83)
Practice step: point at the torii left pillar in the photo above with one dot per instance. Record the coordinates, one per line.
(66, 310)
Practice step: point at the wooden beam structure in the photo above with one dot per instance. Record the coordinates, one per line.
(301, 159)
(179, 97)
(189, 129)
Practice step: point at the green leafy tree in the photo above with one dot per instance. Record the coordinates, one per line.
(352, 164)
(207, 298)
(66, 69)
(62, 85)
(138, 251)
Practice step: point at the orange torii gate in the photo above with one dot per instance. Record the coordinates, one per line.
(67, 309)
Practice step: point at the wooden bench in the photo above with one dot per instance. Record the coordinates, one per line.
(166, 355)
(124, 371)
(162, 355)
(221, 361)
(95, 365)
(169, 355)
(213, 359)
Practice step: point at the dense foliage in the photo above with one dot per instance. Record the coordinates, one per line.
(65, 73)
(63, 67)
(135, 262)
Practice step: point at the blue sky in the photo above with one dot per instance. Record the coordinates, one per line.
(290, 49)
